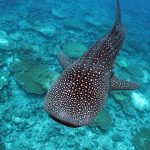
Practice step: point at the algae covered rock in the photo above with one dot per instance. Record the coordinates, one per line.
(147, 145)
(74, 49)
(72, 23)
(45, 29)
(21, 66)
(2, 145)
(127, 107)
(4, 78)
(45, 78)
(124, 75)
(92, 20)
(103, 119)
(58, 13)
(25, 79)
(122, 61)
(123, 98)
(16, 35)
(6, 43)
(119, 95)
(33, 77)
(142, 139)
(2, 59)
(3, 34)
(135, 70)
(147, 66)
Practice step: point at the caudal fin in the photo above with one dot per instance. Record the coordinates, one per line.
(118, 13)
(102, 55)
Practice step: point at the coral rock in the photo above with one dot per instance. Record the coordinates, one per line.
(34, 78)
(142, 139)
(74, 49)
(94, 21)
(4, 79)
(135, 70)
(72, 23)
(103, 119)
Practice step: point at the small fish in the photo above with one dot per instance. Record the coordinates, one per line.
(78, 95)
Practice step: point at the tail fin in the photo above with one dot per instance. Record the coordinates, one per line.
(106, 49)
(118, 13)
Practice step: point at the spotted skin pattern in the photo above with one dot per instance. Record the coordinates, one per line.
(79, 93)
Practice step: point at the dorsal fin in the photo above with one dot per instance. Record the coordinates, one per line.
(64, 60)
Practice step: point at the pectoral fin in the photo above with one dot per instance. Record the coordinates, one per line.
(64, 60)
(117, 84)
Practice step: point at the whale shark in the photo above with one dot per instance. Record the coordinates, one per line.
(79, 93)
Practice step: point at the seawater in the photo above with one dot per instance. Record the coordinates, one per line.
(32, 32)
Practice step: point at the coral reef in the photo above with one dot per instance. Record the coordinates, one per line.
(25, 79)
(93, 21)
(4, 78)
(46, 29)
(2, 145)
(6, 43)
(2, 59)
(72, 23)
(142, 139)
(124, 99)
(58, 13)
(103, 119)
(122, 61)
(33, 77)
(135, 70)
(74, 49)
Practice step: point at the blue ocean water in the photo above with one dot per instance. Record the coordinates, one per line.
(32, 32)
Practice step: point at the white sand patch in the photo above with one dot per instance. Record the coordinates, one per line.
(3, 41)
(140, 102)
(146, 77)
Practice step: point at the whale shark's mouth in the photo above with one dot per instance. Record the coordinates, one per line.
(63, 122)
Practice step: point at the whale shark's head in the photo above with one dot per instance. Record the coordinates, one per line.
(74, 99)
